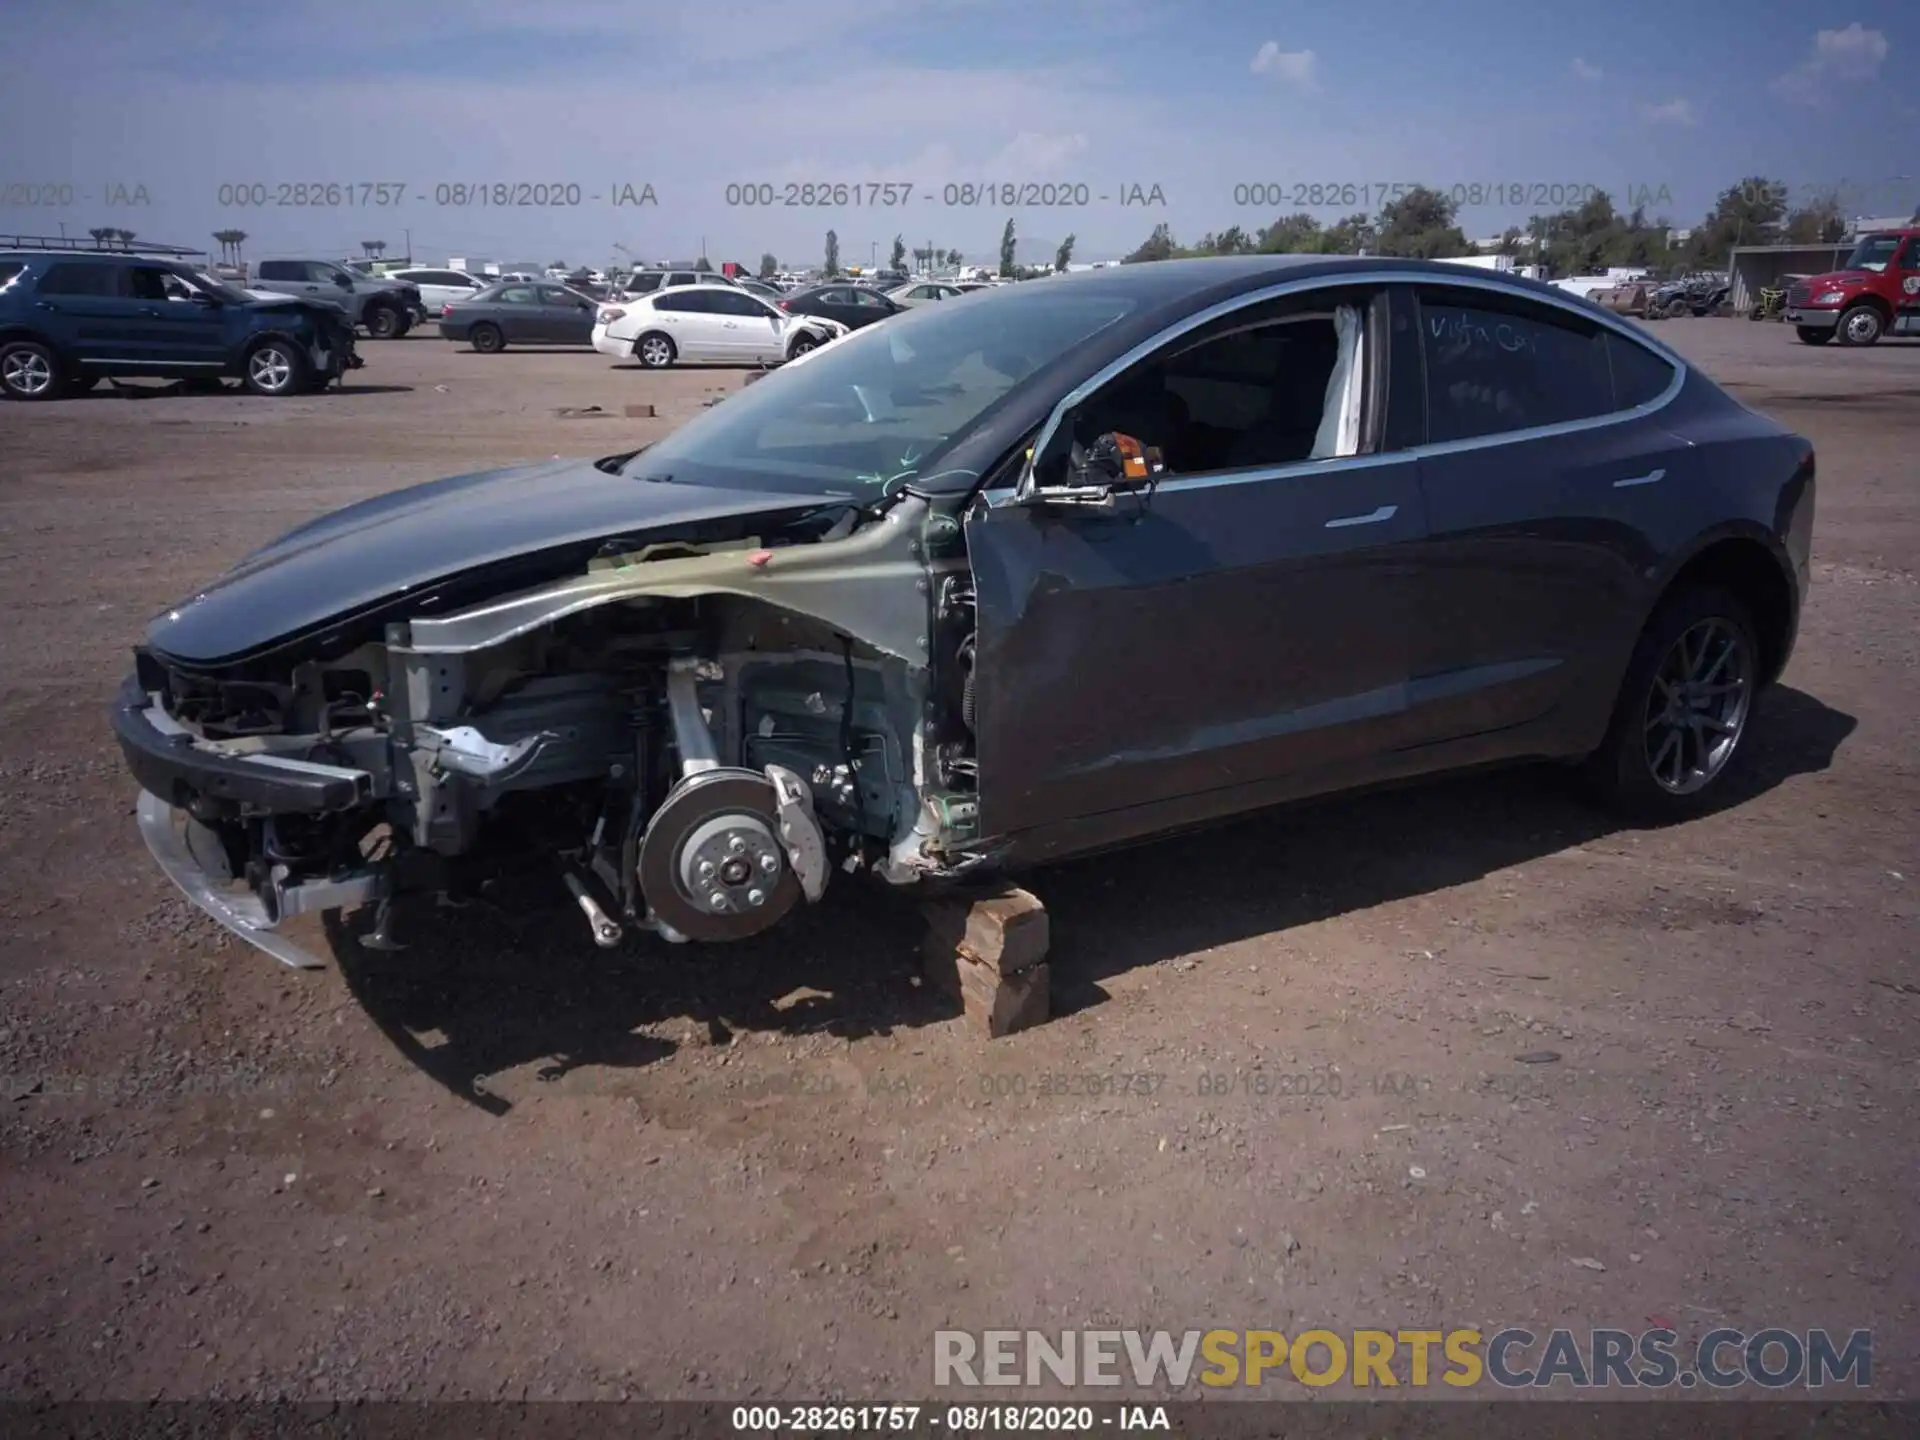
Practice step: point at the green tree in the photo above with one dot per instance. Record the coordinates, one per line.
(1345, 237)
(1064, 255)
(1298, 234)
(1751, 212)
(769, 267)
(1231, 241)
(1157, 246)
(898, 260)
(1006, 250)
(953, 257)
(1819, 222)
(102, 234)
(1421, 225)
(833, 255)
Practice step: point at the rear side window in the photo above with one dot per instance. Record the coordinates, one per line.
(683, 277)
(515, 295)
(689, 302)
(1639, 375)
(646, 284)
(81, 280)
(1495, 366)
(282, 270)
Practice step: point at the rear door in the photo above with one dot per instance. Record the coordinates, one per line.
(687, 315)
(87, 311)
(1546, 497)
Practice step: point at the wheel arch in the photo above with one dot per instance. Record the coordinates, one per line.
(1752, 564)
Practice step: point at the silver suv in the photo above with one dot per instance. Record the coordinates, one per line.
(645, 282)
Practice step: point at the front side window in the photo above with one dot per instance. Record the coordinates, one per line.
(683, 277)
(646, 284)
(1910, 257)
(1273, 387)
(515, 295)
(323, 274)
(1495, 366)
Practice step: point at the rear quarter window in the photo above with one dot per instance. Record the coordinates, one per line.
(1639, 375)
(81, 280)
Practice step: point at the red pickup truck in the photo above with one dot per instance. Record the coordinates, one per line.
(1877, 292)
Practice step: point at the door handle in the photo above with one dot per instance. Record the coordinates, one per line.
(150, 312)
(1385, 512)
(1650, 478)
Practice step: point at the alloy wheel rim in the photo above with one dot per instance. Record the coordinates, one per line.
(1862, 326)
(28, 373)
(271, 369)
(654, 352)
(1696, 711)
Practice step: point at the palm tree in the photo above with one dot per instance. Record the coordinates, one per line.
(101, 235)
(230, 243)
(125, 237)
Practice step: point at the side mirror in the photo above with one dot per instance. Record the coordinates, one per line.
(1095, 473)
(1116, 460)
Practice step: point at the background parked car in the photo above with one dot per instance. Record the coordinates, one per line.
(440, 288)
(520, 313)
(645, 282)
(707, 324)
(922, 292)
(71, 320)
(386, 307)
(854, 306)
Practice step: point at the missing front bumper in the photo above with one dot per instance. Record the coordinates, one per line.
(245, 914)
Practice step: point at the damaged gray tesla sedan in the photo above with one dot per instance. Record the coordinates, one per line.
(1058, 569)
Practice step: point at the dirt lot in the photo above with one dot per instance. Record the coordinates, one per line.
(503, 1164)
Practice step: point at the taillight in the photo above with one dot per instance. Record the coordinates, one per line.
(786, 305)
(607, 317)
(446, 310)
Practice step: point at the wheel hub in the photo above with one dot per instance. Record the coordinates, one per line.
(712, 865)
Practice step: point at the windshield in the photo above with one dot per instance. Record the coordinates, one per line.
(232, 294)
(1873, 252)
(871, 411)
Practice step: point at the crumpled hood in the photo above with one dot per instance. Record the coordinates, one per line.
(410, 539)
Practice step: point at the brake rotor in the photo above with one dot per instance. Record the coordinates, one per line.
(711, 863)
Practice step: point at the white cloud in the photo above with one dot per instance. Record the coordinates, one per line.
(1294, 67)
(1674, 112)
(1586, 71)
(1838, 58)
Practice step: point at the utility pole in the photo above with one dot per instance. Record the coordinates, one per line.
(408, 236)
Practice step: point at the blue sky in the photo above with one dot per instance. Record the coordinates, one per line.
(1664, 101)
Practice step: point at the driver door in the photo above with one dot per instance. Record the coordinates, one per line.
(1240, 634)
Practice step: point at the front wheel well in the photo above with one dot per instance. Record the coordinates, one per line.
(1748, 570)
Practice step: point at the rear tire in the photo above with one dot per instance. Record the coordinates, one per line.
(29, 371)
(274, 367)
(487, 339)
(655, 351)
(383, 322)
(1811, 336)
(1861, 326)
(1681, 718)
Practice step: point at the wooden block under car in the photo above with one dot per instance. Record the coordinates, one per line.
(989, 953)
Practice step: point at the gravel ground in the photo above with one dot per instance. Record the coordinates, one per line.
(1286, 1089)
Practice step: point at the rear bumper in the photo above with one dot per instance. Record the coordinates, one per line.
(608, 345)
(171, 764)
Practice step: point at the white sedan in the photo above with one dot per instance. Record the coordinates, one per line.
(709, 325)
(442, 287)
